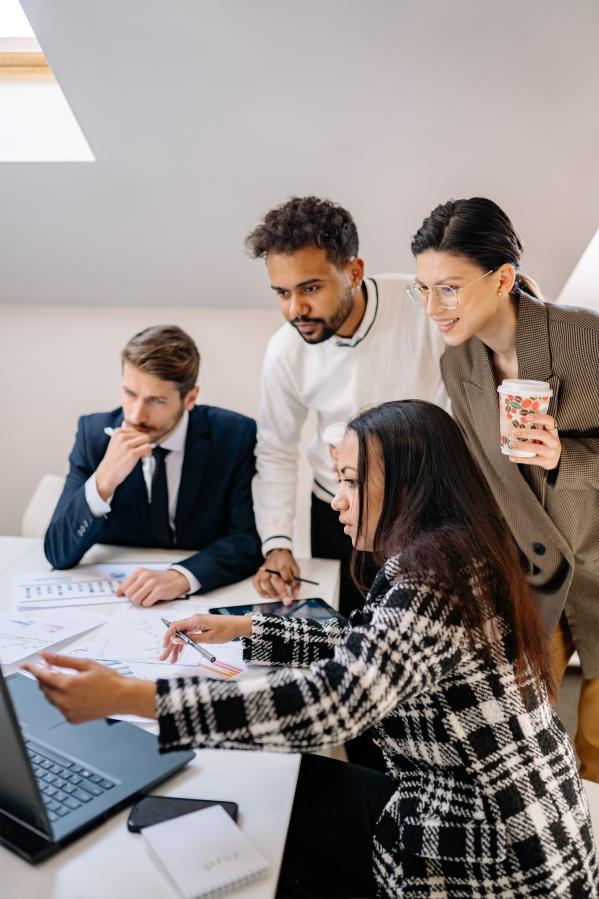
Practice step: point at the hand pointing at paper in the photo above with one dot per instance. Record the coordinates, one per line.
(204, 629)
(91, 690)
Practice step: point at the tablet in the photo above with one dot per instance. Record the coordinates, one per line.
(317, 609)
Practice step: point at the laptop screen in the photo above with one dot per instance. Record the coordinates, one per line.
(19, 795)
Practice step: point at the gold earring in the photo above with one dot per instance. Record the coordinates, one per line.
(500, 294)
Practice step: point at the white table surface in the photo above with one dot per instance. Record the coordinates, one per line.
(110, 861)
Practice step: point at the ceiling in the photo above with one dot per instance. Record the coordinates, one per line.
(204, 113)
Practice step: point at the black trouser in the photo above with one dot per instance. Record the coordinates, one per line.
(328, 852)
(329, 542)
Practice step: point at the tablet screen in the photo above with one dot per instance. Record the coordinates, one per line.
(317, 609)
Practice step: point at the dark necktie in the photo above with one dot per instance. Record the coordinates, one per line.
(161, 530)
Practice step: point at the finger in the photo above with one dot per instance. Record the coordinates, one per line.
(132, 437)
(46, 677)
(541, 434)
(269, 589)
(140, 590)
(264, 584)
(172, 655)
(75, 662)
(154, 597)
(539, 447)
(541, 419)
(194, 623)
(129, 581)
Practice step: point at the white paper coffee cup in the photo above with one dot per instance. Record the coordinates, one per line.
(334, 433)
(518, 399)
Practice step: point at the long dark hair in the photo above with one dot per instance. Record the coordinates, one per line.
(478, 230)
(439, 513)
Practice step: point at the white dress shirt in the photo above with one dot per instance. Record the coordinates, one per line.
(173, 463)
(393, 355)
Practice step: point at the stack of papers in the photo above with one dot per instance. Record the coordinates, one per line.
(24, 634)
(135, 635)
(86, 585)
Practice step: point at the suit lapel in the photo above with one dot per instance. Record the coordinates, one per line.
(533, 348)
(195, 459)
(483, 400)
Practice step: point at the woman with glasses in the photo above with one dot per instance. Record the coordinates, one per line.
(481, 797)
(495, 325)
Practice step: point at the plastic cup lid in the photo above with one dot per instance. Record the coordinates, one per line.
(525, 388)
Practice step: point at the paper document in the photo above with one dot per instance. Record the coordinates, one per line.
(23, 634)
(135, 634)
(85, 585)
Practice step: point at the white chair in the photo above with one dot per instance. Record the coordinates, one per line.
(40, 507)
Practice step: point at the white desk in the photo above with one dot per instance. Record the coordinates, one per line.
(112, 862)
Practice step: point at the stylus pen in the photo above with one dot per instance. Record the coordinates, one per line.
(190, 642)
(304, 580)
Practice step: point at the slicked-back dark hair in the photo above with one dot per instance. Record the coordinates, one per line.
(303, 222)
(165, 352)
(479, 230)
(439, 513)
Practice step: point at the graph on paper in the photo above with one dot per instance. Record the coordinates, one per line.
(86, 585)
(23, 634)
(136, 635)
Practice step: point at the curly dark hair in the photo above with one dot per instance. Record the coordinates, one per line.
(302, 222)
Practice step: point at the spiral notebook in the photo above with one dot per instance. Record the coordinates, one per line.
(205, 853)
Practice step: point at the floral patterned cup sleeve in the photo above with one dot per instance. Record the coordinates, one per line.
(518, 400)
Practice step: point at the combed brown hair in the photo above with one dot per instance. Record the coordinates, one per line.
(165, 352)
(439, 513)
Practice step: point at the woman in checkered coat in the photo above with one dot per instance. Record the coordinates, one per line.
(481, 796)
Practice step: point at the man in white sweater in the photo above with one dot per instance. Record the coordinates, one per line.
(350, 341)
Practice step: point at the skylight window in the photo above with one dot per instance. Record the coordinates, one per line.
(13, 21)
(36, 122)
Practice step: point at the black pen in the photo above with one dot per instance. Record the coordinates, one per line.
(304, 580)
(190, 642)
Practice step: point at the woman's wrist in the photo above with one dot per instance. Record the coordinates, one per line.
(135, 697)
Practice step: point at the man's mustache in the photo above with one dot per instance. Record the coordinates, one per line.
(304, 320)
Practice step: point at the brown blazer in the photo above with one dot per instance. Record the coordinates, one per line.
(554, 516)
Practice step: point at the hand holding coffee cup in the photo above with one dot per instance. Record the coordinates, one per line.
(332, 435)
(523, 407)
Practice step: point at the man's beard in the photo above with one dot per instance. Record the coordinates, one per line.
(330, 327)
(157, 435)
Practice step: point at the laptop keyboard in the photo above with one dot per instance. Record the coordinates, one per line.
(65, 786)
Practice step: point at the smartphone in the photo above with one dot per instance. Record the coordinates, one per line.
(154, 809)
(317, 609)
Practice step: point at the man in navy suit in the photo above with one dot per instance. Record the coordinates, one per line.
(161, 471)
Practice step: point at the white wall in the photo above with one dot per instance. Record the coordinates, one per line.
(202, 114)
(58, 363)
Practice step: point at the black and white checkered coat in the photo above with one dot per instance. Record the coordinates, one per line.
(488, 800)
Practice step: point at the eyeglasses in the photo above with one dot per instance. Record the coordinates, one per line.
(445, 295)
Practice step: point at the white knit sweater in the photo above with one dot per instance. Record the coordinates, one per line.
(393, 355)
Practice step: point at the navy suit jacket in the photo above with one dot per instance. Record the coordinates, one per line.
(214, 515)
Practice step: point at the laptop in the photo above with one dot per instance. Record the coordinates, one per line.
(59, 780)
